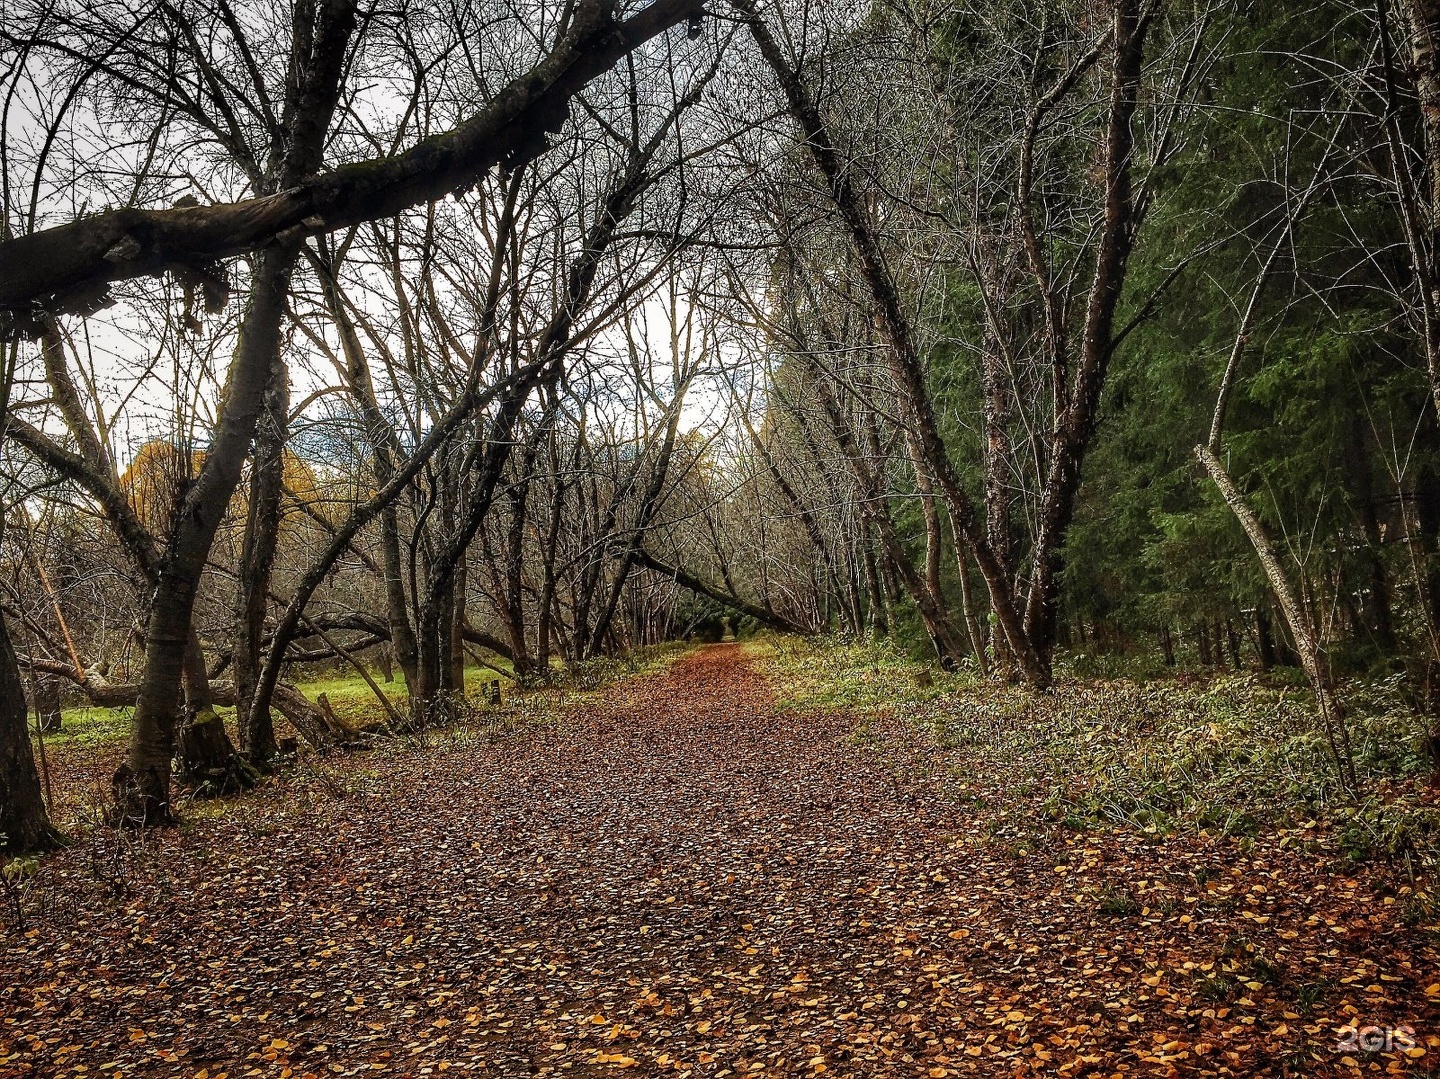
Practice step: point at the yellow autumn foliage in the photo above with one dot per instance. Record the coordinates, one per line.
(157, 478)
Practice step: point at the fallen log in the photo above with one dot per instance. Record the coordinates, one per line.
(317, 728)
(763, 615)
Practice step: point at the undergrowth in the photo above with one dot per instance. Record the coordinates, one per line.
(1232, 755)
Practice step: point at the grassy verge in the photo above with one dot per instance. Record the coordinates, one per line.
(1233, 756)
(86, 726)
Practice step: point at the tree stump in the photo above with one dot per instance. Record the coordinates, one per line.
(48, 713)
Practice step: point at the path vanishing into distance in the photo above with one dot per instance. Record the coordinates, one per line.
(684, 879)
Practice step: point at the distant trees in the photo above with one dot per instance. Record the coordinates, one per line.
(1029, 189)
(1011, 244)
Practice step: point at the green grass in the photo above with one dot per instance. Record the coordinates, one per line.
(90, 726)
(353, 700)
(1232, 756)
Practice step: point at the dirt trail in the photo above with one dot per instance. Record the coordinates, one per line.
(682, 880)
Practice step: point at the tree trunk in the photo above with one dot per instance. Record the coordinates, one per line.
(386, 450)
(24, 823)
(901, 355)
(1423, 61)
(1312, 656)
(967, 604)
(458, 617)
(1264, 640)
(207, 758)
(142, 783)
(997, 454)
(933, 544)
(879, 621)
(1075, 423)
(74, 260)
(257, 559)
(874, 509)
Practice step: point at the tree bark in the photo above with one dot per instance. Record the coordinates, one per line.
(24, 824)
(642, 557)
(1423, 62)
(386, 450)
(1075, 424)
(142, 783)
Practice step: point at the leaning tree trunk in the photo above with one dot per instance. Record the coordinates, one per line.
(902, 357)
(1307, 642)
(142, 782)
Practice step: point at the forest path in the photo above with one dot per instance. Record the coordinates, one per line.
(680, 880)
